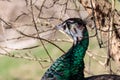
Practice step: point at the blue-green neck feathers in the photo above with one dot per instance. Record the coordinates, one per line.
(70, 66)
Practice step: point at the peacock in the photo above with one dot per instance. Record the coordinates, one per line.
(70, 66)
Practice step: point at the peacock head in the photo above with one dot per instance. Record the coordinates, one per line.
(74, 27)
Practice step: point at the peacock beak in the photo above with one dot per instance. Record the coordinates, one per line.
(59, 27)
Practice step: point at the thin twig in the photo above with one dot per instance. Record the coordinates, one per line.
(38, 33)
(93, 57)
(31, 36)
(95, 26)
(40, 10)
(25, 57)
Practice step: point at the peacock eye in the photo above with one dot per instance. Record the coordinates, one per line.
(75, 30)
(64, 27)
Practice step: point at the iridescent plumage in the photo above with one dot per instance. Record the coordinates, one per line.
(70, 66)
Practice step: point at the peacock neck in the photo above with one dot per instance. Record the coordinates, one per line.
(80, 48)
(77, 53)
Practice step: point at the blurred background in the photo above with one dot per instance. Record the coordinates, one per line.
(28, 40)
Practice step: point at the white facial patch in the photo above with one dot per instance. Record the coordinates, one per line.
(67, 30)
(79, 33)
(72, 29)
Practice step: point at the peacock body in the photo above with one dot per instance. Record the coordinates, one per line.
(70, 66)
